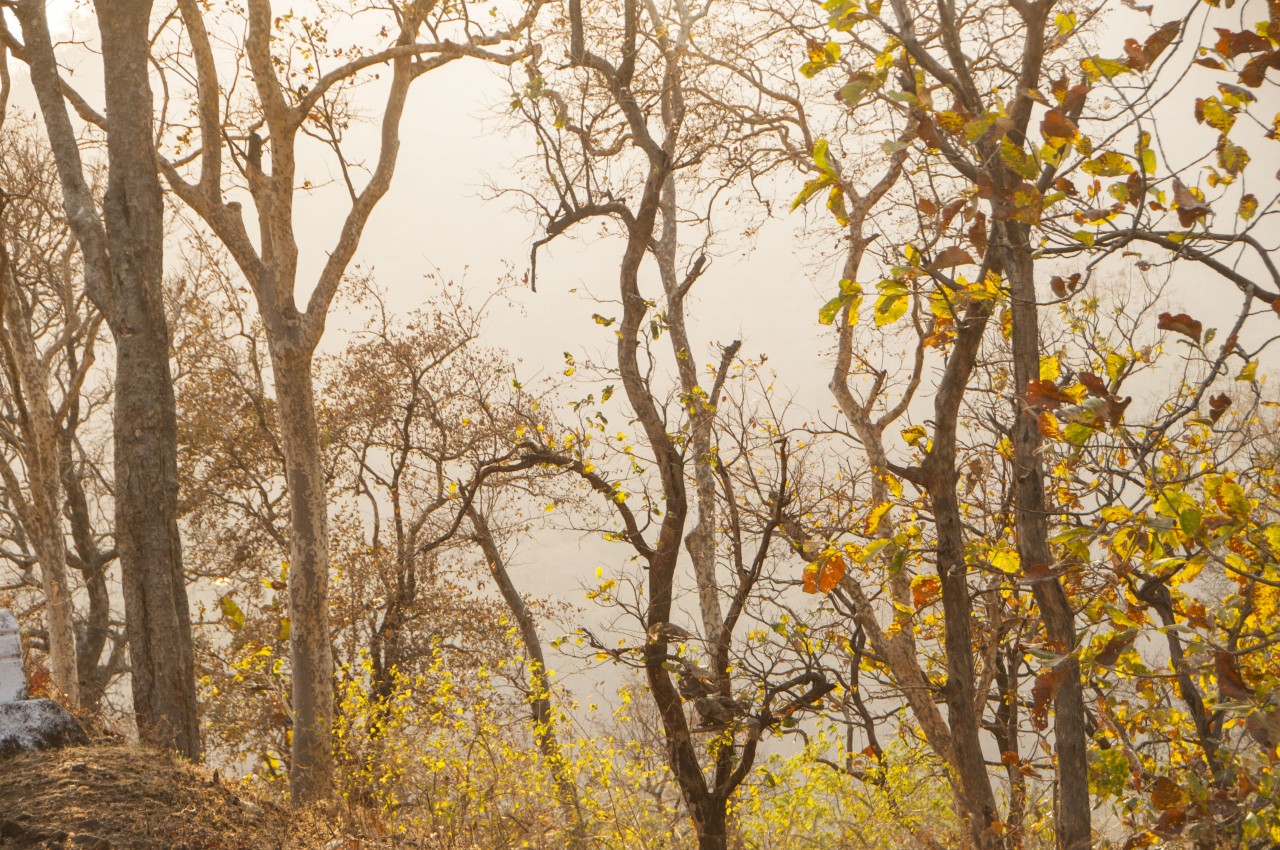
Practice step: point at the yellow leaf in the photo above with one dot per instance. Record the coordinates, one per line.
(914, 435)
(874, 518)
(1006, 560)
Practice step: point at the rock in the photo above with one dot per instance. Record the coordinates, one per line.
(36, 724)
(90, 842)
(11, 829)
(13, 682)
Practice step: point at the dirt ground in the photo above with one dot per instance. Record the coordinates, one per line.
(126, 798)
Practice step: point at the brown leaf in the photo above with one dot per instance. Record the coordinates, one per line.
(1094, 385)
(978, 233)
(1057, 126)
(1137, 57)
(951, 210)
(1166, 794)
(1136, 187)
(1073, 100)
(1218, 405)
(1110, 652)
(1116, 408)
(1190, 208)
(927, 207)
(1042, 694)
(1065, 186)
(949, 258)
(927, 132)
(1231, 44)
(1230, 683)
(1181, 323)
(1255, 71)
(1159, 40)
(1046, 395)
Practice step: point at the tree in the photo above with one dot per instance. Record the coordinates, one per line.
(633, 132)
(250, 144)
(55, 399)
(122, 245)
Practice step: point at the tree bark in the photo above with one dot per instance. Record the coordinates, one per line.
(1069, 726)
(124, 268)
(310, 650)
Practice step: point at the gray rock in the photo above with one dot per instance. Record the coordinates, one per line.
(36, 724)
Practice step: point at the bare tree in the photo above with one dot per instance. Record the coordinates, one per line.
(249, 143)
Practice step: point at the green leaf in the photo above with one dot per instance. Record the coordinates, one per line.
(892, 303)
(810, 189)
(857, 88)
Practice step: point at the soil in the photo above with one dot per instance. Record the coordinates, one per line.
(127, 798)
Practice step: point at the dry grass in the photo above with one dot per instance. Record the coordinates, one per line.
(137, 799)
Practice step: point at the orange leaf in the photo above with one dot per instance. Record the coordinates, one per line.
(1230, 683)
(1046, 395)
(833, 569)
(1042, 693)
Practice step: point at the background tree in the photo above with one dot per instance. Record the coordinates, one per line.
(55, 396)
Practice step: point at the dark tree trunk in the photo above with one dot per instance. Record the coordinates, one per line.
(1069, 728)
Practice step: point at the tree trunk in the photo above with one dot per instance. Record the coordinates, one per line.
(1069, 729)
(540, 708)
(124, 269)
(711, 819)
(310, 651)
(157, 617)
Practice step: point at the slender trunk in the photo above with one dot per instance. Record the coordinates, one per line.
(92, 639)
(310, 650)
(540, 709)
(1070, 729)
(39, 510)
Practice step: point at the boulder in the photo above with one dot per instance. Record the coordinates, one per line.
(36, 724)
(28, 724)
